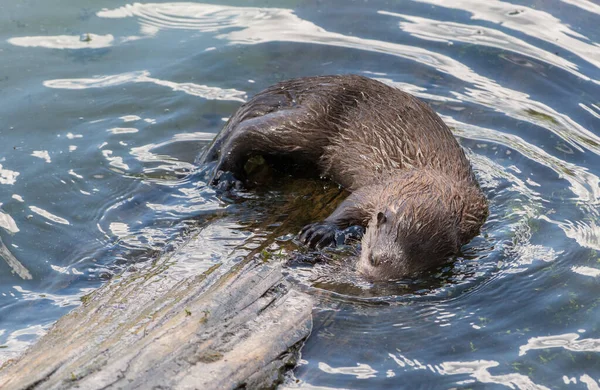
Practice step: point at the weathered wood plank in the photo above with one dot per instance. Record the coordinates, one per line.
(238, 323)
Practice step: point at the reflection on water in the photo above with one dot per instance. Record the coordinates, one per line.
(448, 32)
(18, 341)
(266, 25)
(14, 264)
(588, 271)
(106, 109)
(567, 341)
(48, 215)
(527, 20)
(361, 371)
(479, 370)
(595, 110)
(584, 4)
(143, 77)
(87, 41)
(7, 176)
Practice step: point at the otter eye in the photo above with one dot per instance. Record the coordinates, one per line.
(380, 218)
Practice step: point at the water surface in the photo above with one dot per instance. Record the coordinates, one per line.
(104, 108)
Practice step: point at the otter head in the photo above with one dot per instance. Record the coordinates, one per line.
(403, 239)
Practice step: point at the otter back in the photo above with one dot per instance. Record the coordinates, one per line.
(412, 186)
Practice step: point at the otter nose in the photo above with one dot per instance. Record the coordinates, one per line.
(374, 259)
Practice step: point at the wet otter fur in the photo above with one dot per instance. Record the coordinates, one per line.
(412, 186)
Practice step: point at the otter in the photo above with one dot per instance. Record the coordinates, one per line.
(412, 186)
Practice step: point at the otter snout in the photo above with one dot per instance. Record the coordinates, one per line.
(379, 265)
(378, 258)
(381, 257)
(379, 247)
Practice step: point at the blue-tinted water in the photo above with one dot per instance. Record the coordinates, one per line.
(104, 107)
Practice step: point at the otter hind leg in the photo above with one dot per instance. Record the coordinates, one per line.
(279, 133)
(226, 181)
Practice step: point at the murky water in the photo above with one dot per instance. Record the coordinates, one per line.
(104, 108)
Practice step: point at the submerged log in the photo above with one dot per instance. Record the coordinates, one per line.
(210, 315)
(235, 324)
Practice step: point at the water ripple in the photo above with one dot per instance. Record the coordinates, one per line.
(18, 341)
(479, 371)
(48, 215)
(87, 41)
(534, 23)
(586, 271)
(7, 222)
(140, 191)
(13, 263)
(361, 371)
(587, 234)
(584, 184)
(568, 341)
(594, 110)
(7, 176)
(123, 130)
(258, 25)
(584, 5)
(43, 154)
(447, 32)
(206, 92)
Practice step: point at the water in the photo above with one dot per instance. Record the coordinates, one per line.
(104, 108)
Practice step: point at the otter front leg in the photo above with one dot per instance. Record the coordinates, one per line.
(347, 221)
(322, 234)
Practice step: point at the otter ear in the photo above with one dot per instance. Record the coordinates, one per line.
(381, 218)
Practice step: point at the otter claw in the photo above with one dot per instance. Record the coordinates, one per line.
(318, 235)
(321, 234)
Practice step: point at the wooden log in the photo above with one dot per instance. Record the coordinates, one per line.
(237, 324)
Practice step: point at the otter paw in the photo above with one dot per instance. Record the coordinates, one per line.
(226, 181)
(351, 233)
(318, 235)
